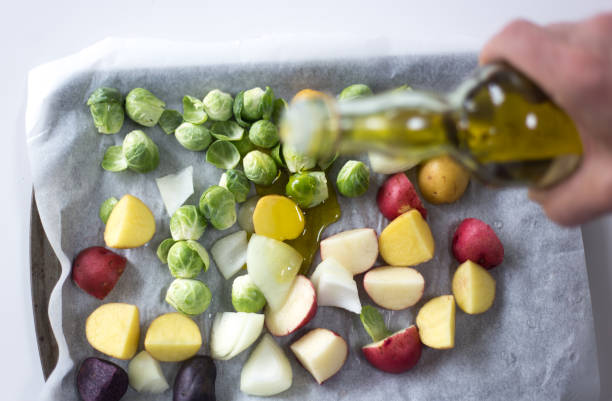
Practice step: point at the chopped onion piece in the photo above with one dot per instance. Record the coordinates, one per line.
(175, 189)
(230, 253)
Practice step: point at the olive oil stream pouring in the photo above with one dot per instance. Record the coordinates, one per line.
(497, 123)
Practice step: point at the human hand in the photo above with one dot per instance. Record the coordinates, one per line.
(572, 63)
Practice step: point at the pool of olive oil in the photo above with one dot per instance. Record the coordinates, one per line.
(316, 220)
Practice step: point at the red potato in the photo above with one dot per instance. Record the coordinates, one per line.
(299, 308)
(397, 353)
(475, 240)
(397, 196)
(96, 270)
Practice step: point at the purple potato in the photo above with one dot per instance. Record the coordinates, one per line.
(100, 380)
(195, 380)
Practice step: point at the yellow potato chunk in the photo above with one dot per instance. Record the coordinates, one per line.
(278, 217)
(114, 330)
(473, 288)
(308, 94)
(173, 337)
(407, 240)
(436, 322)
(131, 224)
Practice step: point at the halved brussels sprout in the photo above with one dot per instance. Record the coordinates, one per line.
(297, 162)
(354, 92)
(193, 110)
(140, 152)
(277, 155)
(227, 131)
(353, 178)
(218, 105)
(114, 160)
(223, 154)
(163, 248)
(218, 205)
(188, 296)
(143, 107)
(106, 108)
(170, 120)
(237, 183)
(307, 189)
(238, 108)
(246, 297)
(258, 104)
(264, 134)
(187, 223)
(280, 105)
(244, 145)
(193, 137)
(106, 208)
(185, 260)
(259, 167)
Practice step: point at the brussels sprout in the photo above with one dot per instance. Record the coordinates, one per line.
(237, 109)
(297, 162)
(193, 110)
(244, 145)
(201, 251)
(170, 120)
(114, 160)
(163, 248)
(326, 163)
(106, 108)
(185, 260)
(223, 154)
(246, 297)
(218, 205)
(353, 178)
(143, 107)
(277, 155)
(307, 189)
(140, 152)
(227, 131)
(106, 208)
(218, 105)
(280, 105)
(187, 223)
(259, 167)
(237, 183)
(258, 104)
(354, 92)
(188, 296)
(263, 133)
(193, 137)
(401, 88)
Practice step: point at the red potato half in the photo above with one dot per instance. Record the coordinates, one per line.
(356, 249)
(475, 240)
(394, 288)
(397, 353)
(96, 270)
(397, 196)
(299, 308)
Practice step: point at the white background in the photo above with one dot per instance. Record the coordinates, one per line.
(33, 32)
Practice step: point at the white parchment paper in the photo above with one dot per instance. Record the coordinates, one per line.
(537, 341)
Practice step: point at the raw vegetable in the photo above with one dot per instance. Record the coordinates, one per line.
(187, 258)
(297, 162)
(163, 249)
(193, 110)
(277, 155)
(394, 288)
(187, 223)
(106, 208)
(138, 153)
(443, 180)
(130, 224)
(246, 297)
(229, 253)
(227, 131)
(473, 288)
(218, 206)
(101, 380)
(244, 145)
(280, 105)
(327, 162)
(322, 352)
(218, 105)
(175, 189)
(335, 286)
(195, 380)
(353, 179)
(475, 240)
(307, 189)
(233, 332)
(237, 183)
(267, 371)
(390, 352)
(238, 108)
(114, 330)
(143, 107)
(106, 108)
(223, 154)
(96, 270)
(299, 308)
(407, 240)
(146, 375)
(170, 120)
(397, 196)
(193, 137)
(264, 134)
(278, 217)
(114, 160)
(354, 91)
(245, 214)
(188, 296)
(356, 250)
(257, 104)
(173, 337)
(259, 167)
(436, 322)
